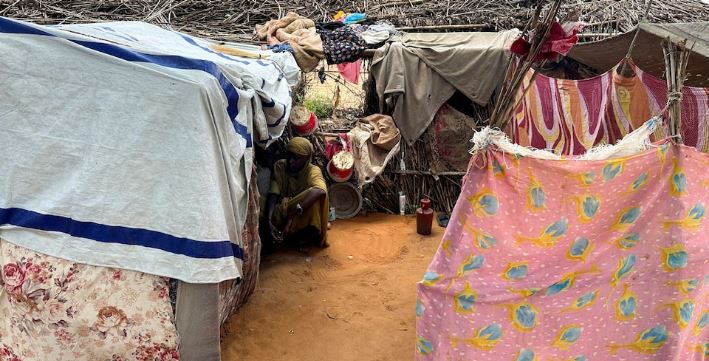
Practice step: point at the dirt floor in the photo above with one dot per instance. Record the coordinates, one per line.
(352, 301)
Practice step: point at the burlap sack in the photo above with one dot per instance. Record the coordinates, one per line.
(385, 134)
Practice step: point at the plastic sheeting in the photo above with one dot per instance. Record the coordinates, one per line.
(647, 53)
(130, 146)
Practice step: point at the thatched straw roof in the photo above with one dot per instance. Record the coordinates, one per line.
(235, 19)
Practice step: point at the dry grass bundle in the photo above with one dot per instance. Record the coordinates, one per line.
(234, 20)
(215, 19)
(233, 295)
(603, 16)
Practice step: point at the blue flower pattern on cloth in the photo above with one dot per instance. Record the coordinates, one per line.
(611, 170)
(526, 355)
(567, 336)
(515, 271)
(580, 249)
(544, 254)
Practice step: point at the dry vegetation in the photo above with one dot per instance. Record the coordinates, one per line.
(235, 19)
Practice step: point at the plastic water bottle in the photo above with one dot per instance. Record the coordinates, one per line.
(332, 215)
(402, 203)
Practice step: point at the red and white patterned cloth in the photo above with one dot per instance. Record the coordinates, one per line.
(53, 309)
(571, 116)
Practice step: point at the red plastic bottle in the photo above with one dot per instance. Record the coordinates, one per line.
(424, 217)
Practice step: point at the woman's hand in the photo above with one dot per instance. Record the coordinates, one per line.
(275, 232)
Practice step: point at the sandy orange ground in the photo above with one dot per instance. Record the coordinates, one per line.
(352, 301)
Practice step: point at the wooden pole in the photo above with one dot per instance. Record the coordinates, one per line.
(425, 172)
(444, 27)
(635, 37)
(407, 2)
(593, 35)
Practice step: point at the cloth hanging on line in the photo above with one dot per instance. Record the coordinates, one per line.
(568, 259)
(350, 71)
(375, 37)
(341, 45)
(571, 116)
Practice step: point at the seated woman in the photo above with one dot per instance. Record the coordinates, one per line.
(297, 206)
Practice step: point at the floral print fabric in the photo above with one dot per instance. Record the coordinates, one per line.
(572, 260)
(53, 309)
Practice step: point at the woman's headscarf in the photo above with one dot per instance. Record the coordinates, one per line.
(300, 146)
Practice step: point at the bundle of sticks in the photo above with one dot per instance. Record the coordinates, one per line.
(676, 57)
(536, 32)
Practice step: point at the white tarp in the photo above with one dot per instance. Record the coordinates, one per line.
(127, 145)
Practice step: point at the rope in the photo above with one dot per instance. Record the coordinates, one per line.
(480, 156)
(672, 97)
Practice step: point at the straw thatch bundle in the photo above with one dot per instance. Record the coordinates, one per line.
(233, 294)
(235, 20)
(603, 15)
